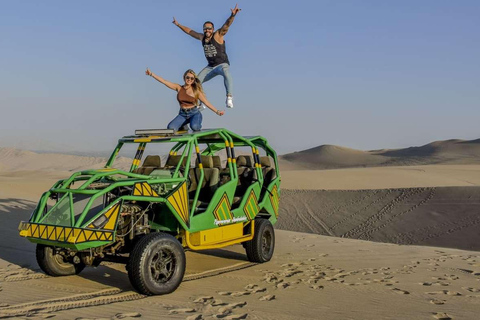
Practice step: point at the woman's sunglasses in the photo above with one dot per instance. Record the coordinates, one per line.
(189, 78)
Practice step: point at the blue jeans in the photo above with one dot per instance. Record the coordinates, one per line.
(192, 116)
(223, 70)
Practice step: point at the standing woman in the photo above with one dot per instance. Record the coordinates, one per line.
(187, 96)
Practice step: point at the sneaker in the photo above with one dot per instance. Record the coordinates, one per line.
(229, 102)
(201, 106)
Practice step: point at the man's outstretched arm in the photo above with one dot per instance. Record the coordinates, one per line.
(224, 29)
(187, 30)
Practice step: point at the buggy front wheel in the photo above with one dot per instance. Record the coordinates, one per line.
(55, 264)
(157, 264)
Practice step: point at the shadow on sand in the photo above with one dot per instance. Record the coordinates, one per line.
(19, 251)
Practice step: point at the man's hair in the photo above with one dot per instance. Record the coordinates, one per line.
(210, 23)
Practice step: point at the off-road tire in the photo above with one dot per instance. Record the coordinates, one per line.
(260, 248)
(54, 264)
(156, 264)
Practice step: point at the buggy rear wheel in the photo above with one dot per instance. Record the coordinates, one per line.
(261, 247)
(54, 264)
(157, 264)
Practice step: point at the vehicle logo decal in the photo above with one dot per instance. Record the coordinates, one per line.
(251, 207)
(179, 201)
(144, 189)
(222, 210)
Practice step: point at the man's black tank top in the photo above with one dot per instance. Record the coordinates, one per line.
(214, 52)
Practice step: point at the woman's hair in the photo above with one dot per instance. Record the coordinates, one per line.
(196, 85)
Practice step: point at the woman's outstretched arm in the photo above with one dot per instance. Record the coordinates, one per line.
(171, 85)
(202, 98)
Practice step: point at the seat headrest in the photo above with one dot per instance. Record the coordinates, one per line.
(245, 161)
(207, 162)
(174, 160)
(152, 161)
(265, 161)
(217, 163)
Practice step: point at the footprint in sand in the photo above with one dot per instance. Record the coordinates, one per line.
(195, 317)
(441, 316)
(289, 273)
(283, 285)
(203, 299)
(400, 291)
(224, 293)
(182, 310)
(471, 289)
(236, 316)
(258, 290)
(315, 287)
(240, 293)
(268, 297)
(216, 303)
(450, 293)
(127, 315)
(437, 302)
(427, 284)
(225, 312)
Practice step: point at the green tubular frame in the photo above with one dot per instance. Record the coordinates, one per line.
(216, 140)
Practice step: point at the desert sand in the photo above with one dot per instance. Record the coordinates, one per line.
(318, 271)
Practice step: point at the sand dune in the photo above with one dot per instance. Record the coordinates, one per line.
(330, 157)
(322, 266)
(310, 277)
(12, 159)
(434, 216)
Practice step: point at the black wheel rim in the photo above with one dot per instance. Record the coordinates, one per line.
(60, 260)
(266, 243)
(162, 265)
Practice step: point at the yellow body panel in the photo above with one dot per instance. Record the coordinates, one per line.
(219, 237)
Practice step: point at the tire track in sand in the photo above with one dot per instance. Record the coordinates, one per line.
(350, 203)
(318, 220)
(410, 238)
(367, 235)
(389, 192)
(466, 223)
(406, 193)
(101, 297)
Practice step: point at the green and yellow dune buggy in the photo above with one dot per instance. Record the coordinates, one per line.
(203, 197)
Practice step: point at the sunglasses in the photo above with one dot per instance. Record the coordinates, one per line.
(189, 78)
(207, 28)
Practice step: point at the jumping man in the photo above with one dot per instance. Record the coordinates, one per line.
(214, 48)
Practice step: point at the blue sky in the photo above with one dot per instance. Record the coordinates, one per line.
(360, 74)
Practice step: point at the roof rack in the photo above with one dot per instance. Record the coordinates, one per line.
(147, 132)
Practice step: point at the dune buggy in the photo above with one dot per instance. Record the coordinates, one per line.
(203, 197)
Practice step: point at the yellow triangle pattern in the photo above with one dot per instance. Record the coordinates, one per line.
(144, 189)
(65, 234)
(179, 201)
(274, 199)
(251, 207)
